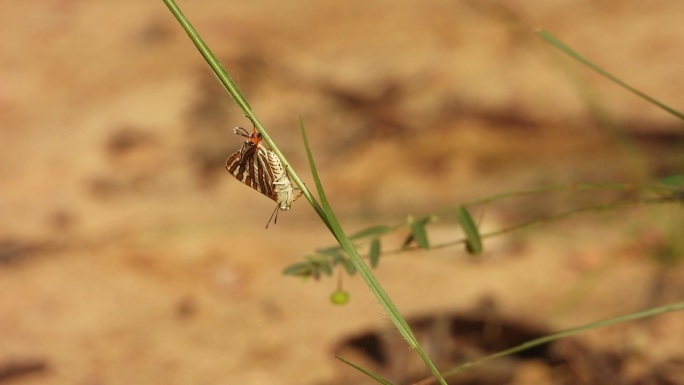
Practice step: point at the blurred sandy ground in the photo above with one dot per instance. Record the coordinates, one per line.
(130, 256)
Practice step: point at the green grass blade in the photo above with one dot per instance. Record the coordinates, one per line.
(568, 332)
(570, 52)
(363, 269)
(364, 371)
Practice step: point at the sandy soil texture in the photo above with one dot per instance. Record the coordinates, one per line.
(128, 255)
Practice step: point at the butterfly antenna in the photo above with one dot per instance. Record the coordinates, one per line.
(275, 214)
(241, 131)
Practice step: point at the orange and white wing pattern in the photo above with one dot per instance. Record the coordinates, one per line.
(260, 169)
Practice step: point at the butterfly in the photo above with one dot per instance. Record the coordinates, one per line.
(260, 169)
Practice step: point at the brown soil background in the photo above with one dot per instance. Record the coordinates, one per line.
(129, 255)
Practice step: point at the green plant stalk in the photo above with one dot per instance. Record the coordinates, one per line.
(363, 269)
(562, 334)
(234, 91)
(541, 190)
(565, 333)
(549, 38)
(386, 229)
(571, 187)
(538, 222)
(370, 374)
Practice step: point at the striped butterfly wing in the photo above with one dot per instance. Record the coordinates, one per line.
(261, 170)
(250, 166)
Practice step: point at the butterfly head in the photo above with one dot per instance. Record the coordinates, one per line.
(254, 138)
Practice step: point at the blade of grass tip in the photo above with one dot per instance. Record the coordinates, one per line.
(319, 188)
(363, 269)
(549, 38)
(364, 371)
(314, 172)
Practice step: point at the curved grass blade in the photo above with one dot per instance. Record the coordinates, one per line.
(363, 269)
